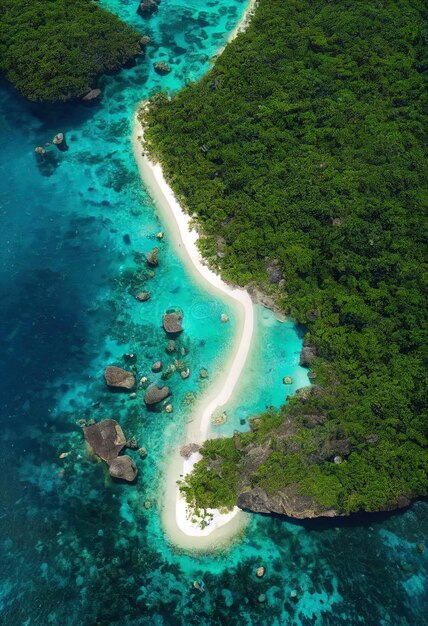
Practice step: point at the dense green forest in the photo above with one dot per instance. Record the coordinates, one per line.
(302, 153)
(54, 49)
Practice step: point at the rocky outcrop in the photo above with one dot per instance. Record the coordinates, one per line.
(155, 394)
(189, 449)
(307, 356)
(284, 502)
(123, 468)
(157, 366)
(146, 8)
(60, 142)
(94, 95)
(117, 378)
(153, 258)
(173, 322)
(162, 68)
(106, 439)
(274, 272)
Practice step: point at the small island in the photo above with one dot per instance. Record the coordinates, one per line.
(54, 51)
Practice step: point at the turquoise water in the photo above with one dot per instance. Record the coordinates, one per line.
(74, 548)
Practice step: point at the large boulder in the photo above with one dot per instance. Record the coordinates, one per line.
(155, 394)
(106, 439)
(118, 378)
(173, 322)
(123, 468)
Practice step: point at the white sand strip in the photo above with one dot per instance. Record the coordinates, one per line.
(175, 514)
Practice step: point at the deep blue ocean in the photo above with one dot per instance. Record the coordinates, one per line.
(75, 548)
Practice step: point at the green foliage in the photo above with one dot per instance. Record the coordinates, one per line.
(304, 146)
(54, 49)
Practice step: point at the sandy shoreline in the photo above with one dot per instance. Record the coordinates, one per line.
(175, 513)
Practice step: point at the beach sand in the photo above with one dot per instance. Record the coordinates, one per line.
(175, 513)
(179, 529)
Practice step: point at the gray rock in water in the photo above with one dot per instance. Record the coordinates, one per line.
(173, 322)
(155, 394)
(93, 94)
(119, 378)
(123, 468)
(153, 257)
(157, 367)
(162, 68)
(106, 439)
(148, 7)
(143, 296)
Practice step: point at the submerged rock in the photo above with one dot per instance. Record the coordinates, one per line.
(123, 468)
(60, 142)
(203, 373)
(155, 394)
(143, 296)
(171, 347)
(118, 378)
(173, 322)
(162, 68)
(152, 257)
(106, 439)
(92, 95)
(287, 380)
(157, 367)
(148, 7)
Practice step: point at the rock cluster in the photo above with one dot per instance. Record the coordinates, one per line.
(107, 440)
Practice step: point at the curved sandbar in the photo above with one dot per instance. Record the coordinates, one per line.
(175, 513)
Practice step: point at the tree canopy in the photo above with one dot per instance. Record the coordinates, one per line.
(302, 152)
(54, 49)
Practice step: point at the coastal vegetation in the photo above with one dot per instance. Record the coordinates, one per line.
(54, 50)
(302, 154)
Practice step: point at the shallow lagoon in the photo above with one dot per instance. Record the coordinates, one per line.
(75, 548)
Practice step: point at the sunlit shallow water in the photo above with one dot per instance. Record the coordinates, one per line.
(75, 548)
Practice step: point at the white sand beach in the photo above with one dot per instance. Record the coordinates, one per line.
(179, 528)
(175, 514)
